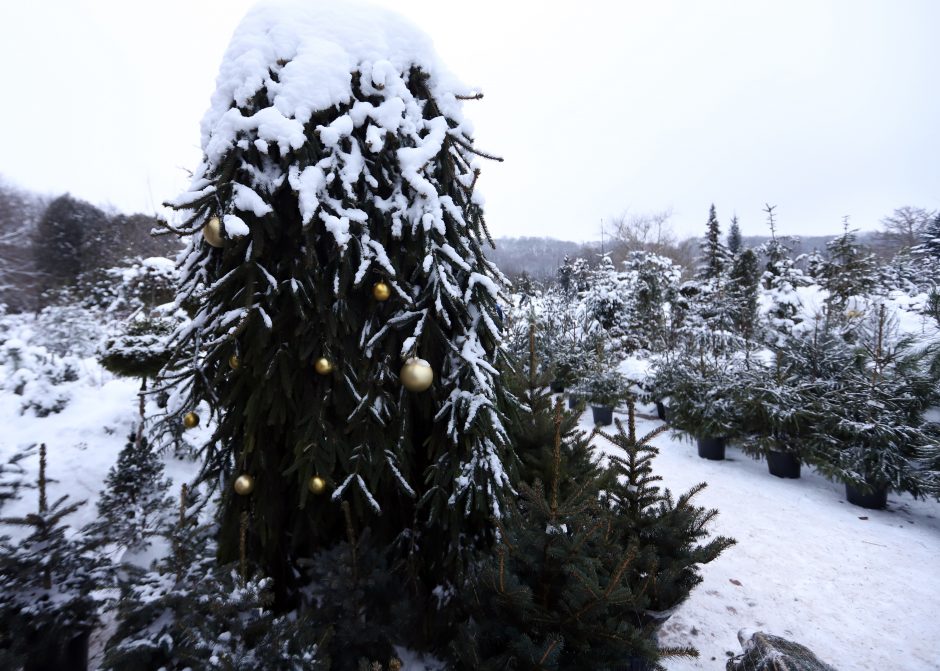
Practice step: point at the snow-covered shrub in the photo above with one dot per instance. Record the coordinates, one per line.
(869, 393)
(704, 393)
(39, 376)
(189, 612)
(141, 348)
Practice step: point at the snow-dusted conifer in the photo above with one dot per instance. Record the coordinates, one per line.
(714, 258)
(336, 156)
(743, 283)
(189, 612)
(46, 580)
(135, 505)
(606, 302)
(780, 280)
(849, 270)
(734, 237)
(653, 282)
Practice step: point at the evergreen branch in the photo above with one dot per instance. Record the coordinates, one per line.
(469, 147)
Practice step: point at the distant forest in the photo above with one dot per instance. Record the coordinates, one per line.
(539, 258)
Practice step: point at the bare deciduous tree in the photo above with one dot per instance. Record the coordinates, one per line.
(901, 230)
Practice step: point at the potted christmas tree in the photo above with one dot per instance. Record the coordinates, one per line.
(704, 401)
(775, 416)
(604, 389)
(871, 434)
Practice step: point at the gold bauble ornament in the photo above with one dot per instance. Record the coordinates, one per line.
(190, 420)
(233, 362)
(244, 484)
(212, 232)
(317, 484)
(323, 366)
(416, 374)
(381, 291)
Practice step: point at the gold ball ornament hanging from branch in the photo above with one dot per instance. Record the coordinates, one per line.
(234, 362)
(317, 485)
(212, 232)
(190, 420)
(416, 374)
(244, 484)
(323, 366)
(381, 291)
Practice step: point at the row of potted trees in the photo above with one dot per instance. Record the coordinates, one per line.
(852, 408)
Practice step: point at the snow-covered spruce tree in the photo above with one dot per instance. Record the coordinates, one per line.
(46, 580)
(743, 282)
(927, 253)
(849, 270)
(333, 220)
(654, 282)
(586, 572)
(714, 257)
(135, 505)
(780, 280)
(605, 302)
(870, 432)
(668, 534)
(734, 237)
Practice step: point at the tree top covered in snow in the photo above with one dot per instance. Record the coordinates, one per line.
(304, 55)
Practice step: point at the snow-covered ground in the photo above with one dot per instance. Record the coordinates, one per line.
(859, 587)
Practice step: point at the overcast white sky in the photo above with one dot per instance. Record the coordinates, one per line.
(825, 108)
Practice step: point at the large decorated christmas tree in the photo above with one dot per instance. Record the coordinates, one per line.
(344, 334)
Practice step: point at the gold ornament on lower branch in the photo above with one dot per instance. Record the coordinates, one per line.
(323, 366)
(381, 291)
(190, 420)
(416, 374)
(317, 485)
(234, 362)
(212, 232)
(244, 484)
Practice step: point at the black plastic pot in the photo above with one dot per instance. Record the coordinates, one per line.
(65, 654)
(573, 401)
(661, 411)
(603, 414)
(711, 448)
(783, 464)
(875, 499)
(557, 386)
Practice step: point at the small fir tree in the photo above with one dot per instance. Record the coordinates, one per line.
(849, 270)
(714, 257)
(46, 584)
(743, 284)
(928, 251)
(190, 612)
(135, 505)
(780, 280)
(587, 576)
(870, 432)
(669, 535)
(734, 237)
(653, 283)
